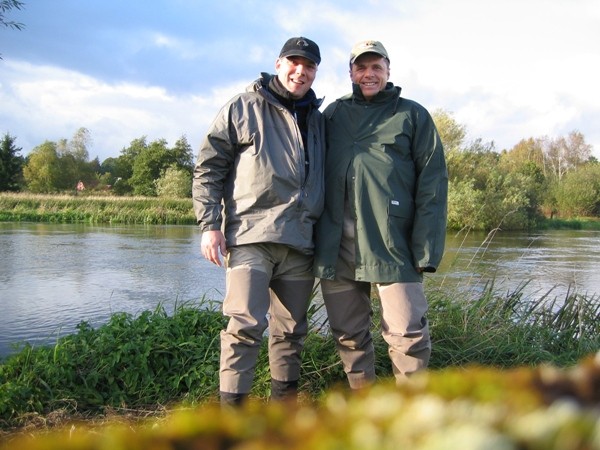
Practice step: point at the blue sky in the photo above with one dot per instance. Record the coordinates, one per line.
(505, 69)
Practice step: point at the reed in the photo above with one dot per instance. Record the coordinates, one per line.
(95, 209)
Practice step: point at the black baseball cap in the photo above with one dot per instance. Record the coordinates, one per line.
(301, 46)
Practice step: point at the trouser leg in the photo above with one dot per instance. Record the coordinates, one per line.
(288, 326)
(348, 306)
(246, 303)
(405, 327)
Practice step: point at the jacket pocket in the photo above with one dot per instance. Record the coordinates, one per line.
(400, 218)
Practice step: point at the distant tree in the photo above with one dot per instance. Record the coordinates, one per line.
(79, 143)
(475, 162)
(563, 154)
(6, 6)
(42, 171)
(11, 164)
(182, 154)
(451, 132)
(174, 182)
(148, 163)
(579, 193)
(125, 161)
(503, 202)
(148, 167)
(526, 152)
(60, 166)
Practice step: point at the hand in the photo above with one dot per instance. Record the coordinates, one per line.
(212, 245)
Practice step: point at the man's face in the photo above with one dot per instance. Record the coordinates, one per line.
(371, 72)
(296, 73)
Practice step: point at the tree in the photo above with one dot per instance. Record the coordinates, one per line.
(174, 182)
(451, 132)
(579, 193)
(74, 157)
(182, 155)
(59, 166)
(526, 152)
(78, 145)
(6, 6)
(148, 162)
(564, 154)
(148, 167)
(42, 172)
(11, 165)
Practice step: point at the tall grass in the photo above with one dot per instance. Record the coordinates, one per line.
(156, 359)
(95, 209)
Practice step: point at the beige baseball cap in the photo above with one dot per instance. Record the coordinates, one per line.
(368, 47)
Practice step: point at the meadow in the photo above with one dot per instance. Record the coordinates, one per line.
(95, 209)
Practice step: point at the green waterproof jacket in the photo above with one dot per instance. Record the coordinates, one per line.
(387, 157)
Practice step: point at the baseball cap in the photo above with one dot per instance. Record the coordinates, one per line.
(301, 46)
(368, 47)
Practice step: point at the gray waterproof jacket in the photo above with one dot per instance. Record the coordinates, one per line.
(252, 179)
(386, 156)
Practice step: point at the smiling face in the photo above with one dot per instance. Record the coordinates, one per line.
(371, 72)
(296, 73)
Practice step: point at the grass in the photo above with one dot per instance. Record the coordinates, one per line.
(15, 207)
(156, 360)
(581, 223)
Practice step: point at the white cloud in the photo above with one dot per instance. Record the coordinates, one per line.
(507, 70)
(48, 103)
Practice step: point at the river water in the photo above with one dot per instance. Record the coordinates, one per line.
(53, 276)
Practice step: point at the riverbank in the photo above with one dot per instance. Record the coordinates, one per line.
(24, 207)
(156, 361)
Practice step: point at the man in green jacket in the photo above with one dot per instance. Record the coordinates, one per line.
(384, 221)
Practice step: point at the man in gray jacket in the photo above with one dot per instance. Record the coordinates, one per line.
(257, 193)
(385, 218)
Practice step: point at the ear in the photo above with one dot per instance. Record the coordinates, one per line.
(277, 64)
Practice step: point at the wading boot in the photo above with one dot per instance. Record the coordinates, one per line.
(284, 390)
(232, 399)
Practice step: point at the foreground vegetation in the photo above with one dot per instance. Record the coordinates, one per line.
(157, 363)
(478, 408)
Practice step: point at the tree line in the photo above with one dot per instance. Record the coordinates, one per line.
(518, 188)
(512, 189)
(143, 168)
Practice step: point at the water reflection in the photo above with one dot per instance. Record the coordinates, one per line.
(54, 276)
(557, 261)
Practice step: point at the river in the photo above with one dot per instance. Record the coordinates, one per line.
(53, 276)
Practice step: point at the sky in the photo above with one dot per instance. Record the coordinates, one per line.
(506, 70)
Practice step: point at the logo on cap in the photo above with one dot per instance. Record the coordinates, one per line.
(301, 42)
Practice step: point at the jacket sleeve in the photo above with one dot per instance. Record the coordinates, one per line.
(431, 193)
(214, 162)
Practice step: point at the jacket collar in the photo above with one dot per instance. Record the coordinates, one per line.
(267, 86)
(390, 92)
